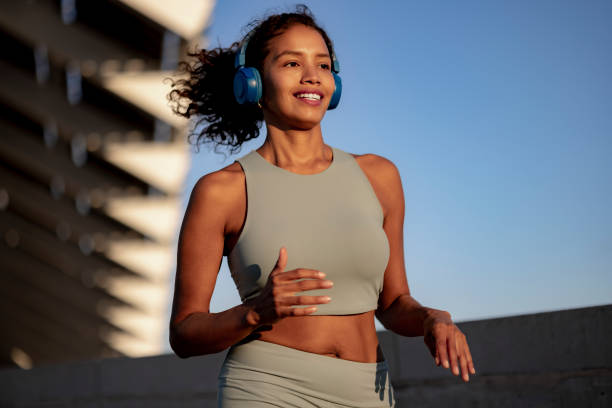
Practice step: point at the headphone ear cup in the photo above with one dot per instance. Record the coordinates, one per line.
(247, 85)
(335, 99)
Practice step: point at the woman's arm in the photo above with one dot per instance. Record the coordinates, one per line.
(193, 329)
(397, 310)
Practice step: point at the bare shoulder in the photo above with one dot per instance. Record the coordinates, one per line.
(222, 187)
(219, 179)
(384, 178)
(382, 172)
(377, 166)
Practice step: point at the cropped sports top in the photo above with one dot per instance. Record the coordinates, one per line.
(329, 221)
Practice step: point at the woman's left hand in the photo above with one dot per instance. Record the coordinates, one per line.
(447, 344)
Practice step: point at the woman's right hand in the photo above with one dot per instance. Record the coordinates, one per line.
(275, 300)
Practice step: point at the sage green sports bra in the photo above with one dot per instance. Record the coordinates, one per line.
(329, 221)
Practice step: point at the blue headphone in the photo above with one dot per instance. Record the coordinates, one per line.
(248, 84)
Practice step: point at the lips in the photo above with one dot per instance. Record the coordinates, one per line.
(311, 97)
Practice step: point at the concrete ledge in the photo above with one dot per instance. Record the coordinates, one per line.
(160, 381)
(555, 359)
(553, 341)
(585, 388)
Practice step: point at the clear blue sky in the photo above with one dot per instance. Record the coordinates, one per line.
(498, 115)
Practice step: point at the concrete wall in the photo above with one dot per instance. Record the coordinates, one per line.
(556, 359)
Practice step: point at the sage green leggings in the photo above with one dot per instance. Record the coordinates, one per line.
(261, 374)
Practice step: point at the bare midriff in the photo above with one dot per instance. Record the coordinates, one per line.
(349, 337)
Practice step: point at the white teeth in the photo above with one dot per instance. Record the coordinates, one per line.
(309, 96)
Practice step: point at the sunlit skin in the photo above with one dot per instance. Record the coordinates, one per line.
(298, 60)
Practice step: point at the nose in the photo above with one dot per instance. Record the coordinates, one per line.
(310, 75)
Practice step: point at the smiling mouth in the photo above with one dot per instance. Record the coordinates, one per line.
(308, 96)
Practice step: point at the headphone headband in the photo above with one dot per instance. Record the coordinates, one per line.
(240, 60)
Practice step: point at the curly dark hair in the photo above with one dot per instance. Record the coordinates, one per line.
(207, 90)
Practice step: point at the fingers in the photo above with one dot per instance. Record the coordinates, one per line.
(304, 300)
(281, 262)
(300, 273)
(471, 366)
(452, 354)
(430, 341)
(309, 284)
(464, 370)
(284, 308)
(301, 311)
(464, 356)
(470, 362)
(286, 311)
(441, 351)
(449, 347)
(278, 297)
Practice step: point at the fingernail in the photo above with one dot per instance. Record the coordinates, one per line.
(326, 298)
(437, 360)
(455, 371)
(445, 363)
(321, 275)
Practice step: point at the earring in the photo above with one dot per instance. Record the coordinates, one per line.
(259, 104)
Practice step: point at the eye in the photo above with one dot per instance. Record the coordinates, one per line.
(325, 66)
(291, 64)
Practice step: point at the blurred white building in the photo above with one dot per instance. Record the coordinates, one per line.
(92, 164)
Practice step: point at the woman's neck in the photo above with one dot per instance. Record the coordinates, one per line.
(296, 150)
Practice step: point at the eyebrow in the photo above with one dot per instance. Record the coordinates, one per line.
(298, 53)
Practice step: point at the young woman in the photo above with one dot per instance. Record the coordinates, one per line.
(313, 235)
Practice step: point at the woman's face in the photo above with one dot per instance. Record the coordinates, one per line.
(297, 79)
